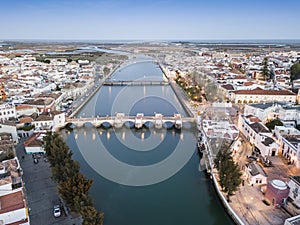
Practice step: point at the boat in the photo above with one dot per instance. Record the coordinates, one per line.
(139, 120)
(201, 146)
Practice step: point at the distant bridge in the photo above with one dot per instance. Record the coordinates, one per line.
(138, 121)
(134, 83)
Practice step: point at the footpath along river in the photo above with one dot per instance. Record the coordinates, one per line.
(146, 176)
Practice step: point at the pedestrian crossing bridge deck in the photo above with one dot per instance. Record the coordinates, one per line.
(138, 121)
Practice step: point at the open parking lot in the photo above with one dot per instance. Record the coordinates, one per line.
(41, 191)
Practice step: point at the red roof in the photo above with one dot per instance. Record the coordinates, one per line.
(33, 141)
(263, 92)
(12, 202)
(19, 222)
(20, 107)
(249, 83)
(26, 120)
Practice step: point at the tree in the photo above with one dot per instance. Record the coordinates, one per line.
(68, 168)
(265, 70)
(72, 185)
(229, 172)
(272, 123)
(106, 70)
(295, 72)
(74, 190)
(91, 216)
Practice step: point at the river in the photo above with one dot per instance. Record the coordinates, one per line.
(147, 176)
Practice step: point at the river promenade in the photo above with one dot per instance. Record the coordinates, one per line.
(246, 206)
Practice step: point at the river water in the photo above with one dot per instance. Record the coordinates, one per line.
(148, 176)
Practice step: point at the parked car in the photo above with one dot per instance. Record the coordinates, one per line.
(252, 158)
(56, 211)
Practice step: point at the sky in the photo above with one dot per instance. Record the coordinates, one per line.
(149, 19)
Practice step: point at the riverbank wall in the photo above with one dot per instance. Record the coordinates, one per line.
(213, 175)
(180, 94)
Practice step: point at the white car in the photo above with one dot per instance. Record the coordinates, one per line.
(56, 211)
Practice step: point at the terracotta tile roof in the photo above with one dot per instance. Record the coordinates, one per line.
(43, 117)
(228, 87)
(40, 101)
(26, 120)
(12, 202)
(33, 141)
(19, 222)
(20, 107)
(249, 83)
(263, 92)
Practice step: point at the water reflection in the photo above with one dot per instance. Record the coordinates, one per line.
(181, 199)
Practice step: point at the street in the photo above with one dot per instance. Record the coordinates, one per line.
(41, 191)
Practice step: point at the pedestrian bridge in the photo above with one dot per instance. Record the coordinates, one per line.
(138, 121)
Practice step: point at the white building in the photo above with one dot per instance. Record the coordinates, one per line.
(259, 95)
(34, 143)
(294, 185)
(10, 179)
(295, 220)
(264, 111)
(290, 113)
(255, 174)
(258, 135)
(7, 111)
(26, 110)
(10, 129)
(13, 209)
(220, 129)
(290, 146)
(50, 121)
(289, 140)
